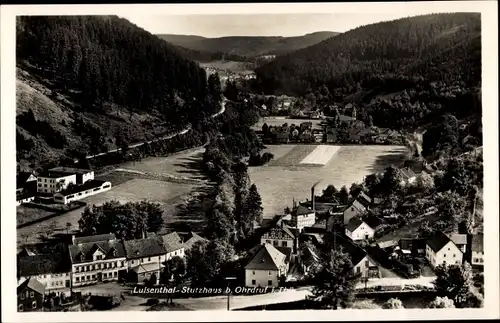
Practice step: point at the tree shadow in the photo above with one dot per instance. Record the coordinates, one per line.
(383, 161)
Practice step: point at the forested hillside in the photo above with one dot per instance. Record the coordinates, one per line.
(403, 73)
(249, 46)
(89, 83)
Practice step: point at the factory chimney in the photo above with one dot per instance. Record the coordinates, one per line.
(313, 198)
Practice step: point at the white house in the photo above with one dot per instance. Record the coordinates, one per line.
(440, 250)
(266, 268)
(174, 245)
(78, 192)
(279, 236)
(362, 262)
(51, 182)
(97, 258)
(477, 250)
(302, 217)
(145, 257)
(409, 177)
(357, 229)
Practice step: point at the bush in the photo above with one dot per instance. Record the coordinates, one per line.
(366, 305)
(393, 303)
(441, 302)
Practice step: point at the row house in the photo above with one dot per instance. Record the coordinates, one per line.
(280, 236)
(174, 245)
(26, 187)
(97, 258)
(302, 217)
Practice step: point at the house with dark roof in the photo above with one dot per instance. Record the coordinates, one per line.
(357, 229)
(477, 250)
(363, 263)
(441, 250)
(49, 264)
(408, 247)
(267, 267)
(145, 258)
(30, 295)
(302, 217)
(174, 245)
(97, 259)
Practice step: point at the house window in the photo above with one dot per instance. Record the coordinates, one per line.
(367, 263)
(270, 273)
(454, 255)
(149, 259)
(105, 275)
(93, 276)
(132, 262)
(32, 294)
(457, 262)
(253, 282)
(98, 257)
(275, 242)
(358, 270)
(253, 272)
(284, 243)
(22, 294)
(33, 305)
(114, 274)
(77, 279)
(21, 307)
(269, 282)
(444, 255)
(175, 253)
(268, 241)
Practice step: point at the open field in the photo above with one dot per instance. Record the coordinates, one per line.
(284, 178)
(26, 214)
(278, 121)
(321, 155)
(176, 181)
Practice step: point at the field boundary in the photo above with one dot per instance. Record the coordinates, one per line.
(50, 216)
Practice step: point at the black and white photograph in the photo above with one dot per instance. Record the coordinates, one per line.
(253, 157)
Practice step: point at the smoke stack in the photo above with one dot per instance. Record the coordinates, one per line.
(313, 198)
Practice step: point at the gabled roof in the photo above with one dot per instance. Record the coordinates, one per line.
(145, 268)
(458, 239)
(172, 242)
(355, 252)
(301, 210)
(88, 249)
(94, 238)
(364, 199)
(354, 223)
(21, 178)
(407, 173)
(192, 240)
(32, 284)
(140, 248)
(438, 241)
(372, 221)
(40, 259)
(477, 243)
(267, 258)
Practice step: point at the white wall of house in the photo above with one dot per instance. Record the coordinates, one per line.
(355, 209)
(49, 185)
(87, 273)
(363, 232)
(477, 258)
(261, 278)
(88, 176)
(448, 255)
(176, 253)
(362, 266)
(302, 221)
(51, 281)
(278, 242)
(146, 260)
(59, 198)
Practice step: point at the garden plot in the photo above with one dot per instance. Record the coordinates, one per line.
(321, 155)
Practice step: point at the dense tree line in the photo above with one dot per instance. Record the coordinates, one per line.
(109, 60)
(424, 66)
(131, 220)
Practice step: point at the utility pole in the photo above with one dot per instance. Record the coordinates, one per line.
(228, 279)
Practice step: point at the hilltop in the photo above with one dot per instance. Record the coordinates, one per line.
(401, 73)
(86, 84)
(250, 46)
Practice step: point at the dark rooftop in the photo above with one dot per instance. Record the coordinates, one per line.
(90, 184)
(140, 248)
(172, 241)
(438, 241)
(32, 284)
(354, 223)
(84, 252)
(477, 243)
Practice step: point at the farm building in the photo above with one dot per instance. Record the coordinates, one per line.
(25, 181)
(460, 240)
(174, 245)
(357, 208)
(363, 263)
(409, 177)
(190, 239)
(441, 250)
(267, 267)
(280, 236)
(78, 192)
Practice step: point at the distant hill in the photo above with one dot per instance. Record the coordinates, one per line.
(399, 72)
(86, 84)
(248, 45)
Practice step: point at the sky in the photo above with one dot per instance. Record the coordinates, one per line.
(287, 24)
